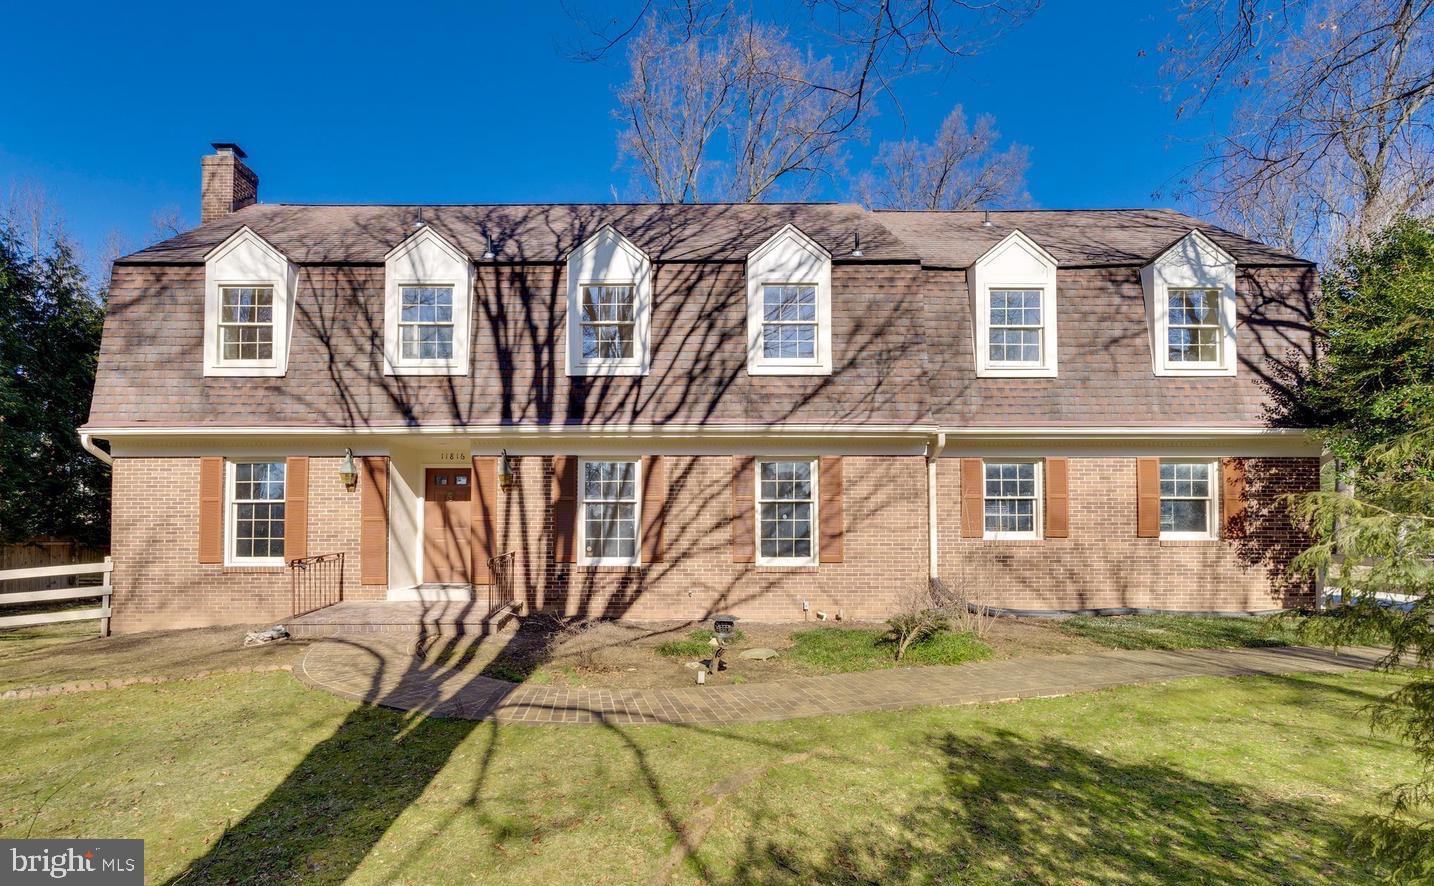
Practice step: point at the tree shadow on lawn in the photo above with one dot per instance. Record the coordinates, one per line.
(1045, 811)
(334, 807)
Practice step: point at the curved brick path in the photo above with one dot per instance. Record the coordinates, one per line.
(385, 672)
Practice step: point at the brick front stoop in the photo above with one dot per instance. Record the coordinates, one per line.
(386, 673)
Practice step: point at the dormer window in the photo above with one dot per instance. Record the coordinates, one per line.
(789, 312)
(1190, 308)
(789, 322)
(1192, 330)
(246, 323)
(428, 290)
(609, 307)
(1013, 301)
(249, 291)
(425, 323)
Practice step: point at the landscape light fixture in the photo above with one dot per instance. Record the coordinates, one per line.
(348, 472)
(505, 472)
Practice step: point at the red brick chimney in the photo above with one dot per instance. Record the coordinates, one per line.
(227, 184)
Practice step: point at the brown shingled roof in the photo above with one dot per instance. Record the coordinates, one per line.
(537, 233)
(1083, 237)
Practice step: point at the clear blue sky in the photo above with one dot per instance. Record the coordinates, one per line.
(110, 105)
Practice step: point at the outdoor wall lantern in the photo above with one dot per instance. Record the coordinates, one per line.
(347, 472)
(505, 472)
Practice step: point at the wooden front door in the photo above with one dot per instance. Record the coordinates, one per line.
(447, 532)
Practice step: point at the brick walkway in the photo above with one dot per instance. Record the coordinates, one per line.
(384, 672)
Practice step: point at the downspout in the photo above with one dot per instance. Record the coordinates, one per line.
(934, 447)
(88, 443)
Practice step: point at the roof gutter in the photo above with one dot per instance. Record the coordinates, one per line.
(88, 443)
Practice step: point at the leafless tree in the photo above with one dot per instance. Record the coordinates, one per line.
(960, 169)
(1332, 131)
(735, 115)
(721, 107)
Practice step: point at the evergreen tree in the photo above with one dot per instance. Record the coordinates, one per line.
(1373, 390)
(50, 324)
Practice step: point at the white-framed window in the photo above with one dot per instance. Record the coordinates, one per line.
(1192, 329)
(609, 307)
(1013, 301)
(789, 321)
(786, 511)
(1012, 499)
(249, 291)
(246, 324)
(1016, 331)
(254, 529)
(608, 321)
(789, 310)
(425, 323)
(428, 293)
(611, 500)
(1190, 307)
(1189, 504)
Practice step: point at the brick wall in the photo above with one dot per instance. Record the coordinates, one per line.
(885, 549)
(1102, 565)
(158, 580)
(159, 583)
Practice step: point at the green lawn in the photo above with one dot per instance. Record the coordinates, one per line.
(1179, 631)
(254, 777)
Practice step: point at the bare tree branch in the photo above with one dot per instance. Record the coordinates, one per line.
(1333, 129)
(960, 169)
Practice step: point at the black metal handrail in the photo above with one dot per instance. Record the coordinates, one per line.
(316, 582)
(500, 588)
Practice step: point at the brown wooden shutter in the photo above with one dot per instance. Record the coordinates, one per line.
(373, 519)
(744, 527)
(1147, 498)
(654, 507)
(973, 497)
(1232, 496)
(830, 514)
(1058, 498)
(211, 510)
(484, 516)
(296, 508)
(565, 509)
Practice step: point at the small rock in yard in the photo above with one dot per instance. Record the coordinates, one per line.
(760, 653)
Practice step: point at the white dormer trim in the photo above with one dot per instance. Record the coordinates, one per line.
(1193, 262)
(789, 257)
(247, 259)
(1017, 262)
(607, 258)
(426, 258)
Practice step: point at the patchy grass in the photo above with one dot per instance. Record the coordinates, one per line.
(697, 644)
(72, 652)
(252, 778)
(1179, 631)
(840, 650)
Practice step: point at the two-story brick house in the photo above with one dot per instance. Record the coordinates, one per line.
(667, 411)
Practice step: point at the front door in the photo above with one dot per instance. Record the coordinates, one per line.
(447, 539)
